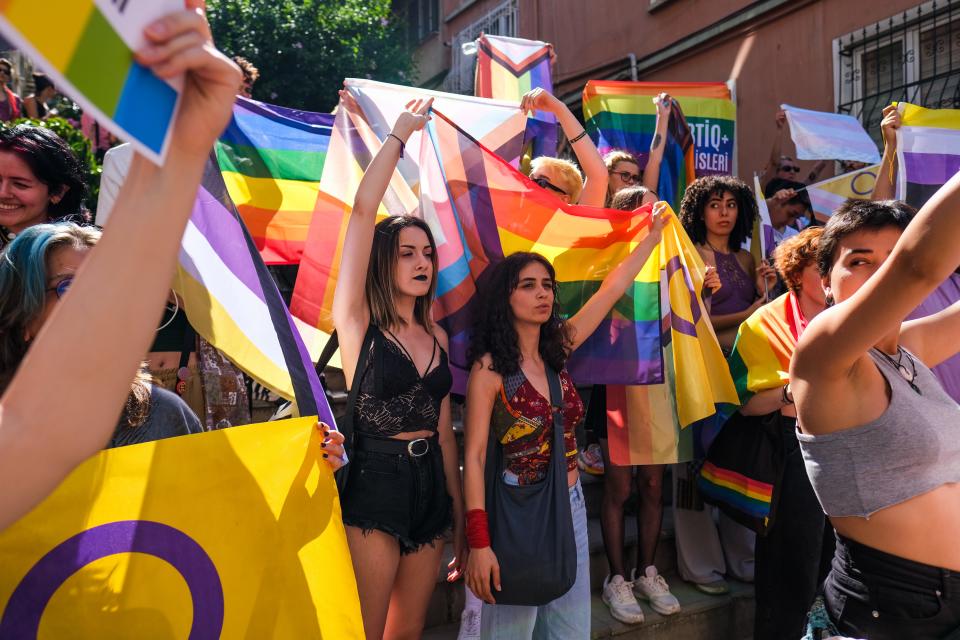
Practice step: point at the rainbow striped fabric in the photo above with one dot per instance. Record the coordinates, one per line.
(481, 209)
(272, 160)
(928, 151)
(87, 47)
(360, 126)
(232, 301)
(507, 68)
(746, 494)
(621, 115)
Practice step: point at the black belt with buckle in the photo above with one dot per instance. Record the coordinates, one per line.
(413, 448)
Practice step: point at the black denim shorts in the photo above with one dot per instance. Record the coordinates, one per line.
(402, 495)
(876, 595)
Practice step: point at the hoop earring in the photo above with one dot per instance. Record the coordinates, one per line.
(176, 308)
(828, 300)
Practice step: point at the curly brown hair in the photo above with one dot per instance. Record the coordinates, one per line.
(795, 254)
(694, 204)
(493, 330)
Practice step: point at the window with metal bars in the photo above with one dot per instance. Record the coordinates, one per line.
(422, 18)
(499, 21)
(912, 57)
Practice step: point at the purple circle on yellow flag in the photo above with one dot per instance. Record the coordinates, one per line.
(21, 618)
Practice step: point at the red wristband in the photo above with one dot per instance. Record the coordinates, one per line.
(478, 531)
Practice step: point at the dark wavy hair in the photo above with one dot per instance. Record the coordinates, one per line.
(857, 215)
(54, 164)
(493, 330)
(694, 205)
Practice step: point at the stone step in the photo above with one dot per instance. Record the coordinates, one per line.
(702, 617)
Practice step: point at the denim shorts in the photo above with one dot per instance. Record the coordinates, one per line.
(402, 495)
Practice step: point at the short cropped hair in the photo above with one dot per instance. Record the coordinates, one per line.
(857, 215)
(571, 180)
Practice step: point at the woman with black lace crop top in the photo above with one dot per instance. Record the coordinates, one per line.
(879, 436)
(403, 492)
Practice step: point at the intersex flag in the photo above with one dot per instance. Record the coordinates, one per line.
(621, 115)
(928, 151)
(481, 209)
(235, 533)
(827, 195)
(272, 160)
(233, 302)
(362, 123)
(507, 68)
(819, 135)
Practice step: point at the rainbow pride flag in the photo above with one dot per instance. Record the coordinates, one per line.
(928, 151)
(621, 115)
(235, 533)
(360, 126)
(482, 209)
(232, 301)
(272, 160)
(507, 68)
(87, 47)
(746, 494)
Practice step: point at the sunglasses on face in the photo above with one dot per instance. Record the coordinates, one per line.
(791, 169)
(546, 184)
(626, 176)
(4, 70)
(62, 287)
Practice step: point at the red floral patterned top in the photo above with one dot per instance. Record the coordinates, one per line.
(519, 419)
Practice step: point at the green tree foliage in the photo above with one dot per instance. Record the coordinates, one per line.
(305, 48)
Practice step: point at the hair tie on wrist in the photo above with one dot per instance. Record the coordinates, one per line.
(577, 139)
(397, 138)
(478, 531)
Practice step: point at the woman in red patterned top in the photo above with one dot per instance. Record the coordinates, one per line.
(519, 335)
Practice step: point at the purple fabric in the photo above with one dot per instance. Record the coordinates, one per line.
(737, 291)
(949, 292)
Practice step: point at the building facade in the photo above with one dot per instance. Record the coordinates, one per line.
(848, 56)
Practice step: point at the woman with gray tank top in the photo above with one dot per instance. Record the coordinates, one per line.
(880, 437)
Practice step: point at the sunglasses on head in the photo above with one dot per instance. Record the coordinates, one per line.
(62, 287)
(626, 176)
(546, 184)
(790, 168)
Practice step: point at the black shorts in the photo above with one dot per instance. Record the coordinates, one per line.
(402, 495)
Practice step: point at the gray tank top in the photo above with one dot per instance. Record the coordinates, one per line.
(912, 448)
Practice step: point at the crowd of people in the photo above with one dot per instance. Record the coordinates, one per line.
(862, 544)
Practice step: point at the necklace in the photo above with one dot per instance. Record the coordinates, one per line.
(715, 250)
(909, 375)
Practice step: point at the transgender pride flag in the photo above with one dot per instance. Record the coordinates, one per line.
(928, 151)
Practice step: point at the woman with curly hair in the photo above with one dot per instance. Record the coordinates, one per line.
(403, 492)
(43, 180)
(519, 340)
(718, 212)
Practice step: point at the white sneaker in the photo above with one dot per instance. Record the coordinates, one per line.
(656, 591)
(618, 595)
(469, 625)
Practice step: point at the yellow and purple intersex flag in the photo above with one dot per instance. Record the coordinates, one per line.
(507, 68)
(234, 533)
(362, 123)
(233, 302)
(272, 160)
(481, 209)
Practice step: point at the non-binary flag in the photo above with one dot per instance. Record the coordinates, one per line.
(361, 125)
(234, 533)
(272, 160)
(481, 209)
(87, 48)
(507, 68)
(232, 301)
(827, 195)
(928, 151)
(621, 115)
(762, 239)
(819, 135)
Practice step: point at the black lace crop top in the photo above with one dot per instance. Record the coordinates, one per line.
(393, 398)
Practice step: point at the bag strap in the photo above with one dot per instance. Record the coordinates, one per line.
(355, 383)
(556, 410)
(328, 350)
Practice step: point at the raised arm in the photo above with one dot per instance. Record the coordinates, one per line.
(925, 255)
(934, 338)
(483, 570)
(350, 312)
(651, 173)
(586, 321)
(885, 188)
(117, 296)
(777, 150)
(595, 174)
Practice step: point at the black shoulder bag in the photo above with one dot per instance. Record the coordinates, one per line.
(531, 526)
(345, 424)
